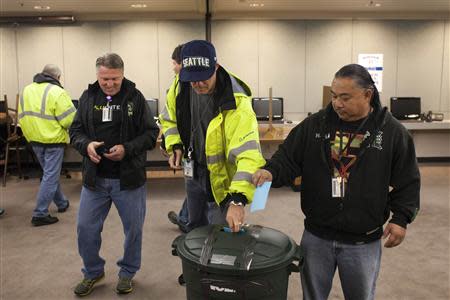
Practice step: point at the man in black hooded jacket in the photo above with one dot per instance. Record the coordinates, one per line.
(358, 165)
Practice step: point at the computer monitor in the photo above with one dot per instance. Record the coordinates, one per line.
(261, 108)
(153, 105)
(405, 108)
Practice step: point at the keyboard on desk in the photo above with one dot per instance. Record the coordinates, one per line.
(273, 121)
(411, 121)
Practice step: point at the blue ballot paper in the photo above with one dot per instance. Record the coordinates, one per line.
(260, 197)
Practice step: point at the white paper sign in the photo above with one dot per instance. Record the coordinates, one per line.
(374, 64)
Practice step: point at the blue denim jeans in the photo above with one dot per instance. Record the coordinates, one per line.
(183, 215)
(202, 209)
(358, 267)
(50, 159)
(94, 208)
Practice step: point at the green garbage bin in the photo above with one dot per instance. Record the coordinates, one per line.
(252, 264)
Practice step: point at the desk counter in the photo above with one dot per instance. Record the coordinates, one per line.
(431, 140)
(435, 125)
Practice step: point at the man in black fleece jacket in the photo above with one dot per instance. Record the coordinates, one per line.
(358, 165)
(113, 128)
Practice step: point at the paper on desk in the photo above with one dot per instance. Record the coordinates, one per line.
(260, 197)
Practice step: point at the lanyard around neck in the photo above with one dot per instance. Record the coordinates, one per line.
(344, 168)
(351, 138)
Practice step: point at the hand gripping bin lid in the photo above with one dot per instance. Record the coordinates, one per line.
(254, 263)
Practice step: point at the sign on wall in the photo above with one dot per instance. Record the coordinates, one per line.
(374, 64)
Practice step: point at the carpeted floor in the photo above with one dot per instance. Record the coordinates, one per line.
(43, 262)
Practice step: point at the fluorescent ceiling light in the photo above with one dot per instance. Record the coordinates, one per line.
(139, 5)
(41, 7)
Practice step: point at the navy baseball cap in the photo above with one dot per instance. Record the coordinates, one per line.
(198, 61)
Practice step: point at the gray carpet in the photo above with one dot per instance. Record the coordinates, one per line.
(43, 262)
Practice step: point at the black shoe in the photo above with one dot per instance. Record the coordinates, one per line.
(173, 217)
(181, 280)
(2, 211)
(124, 285)
(85, 287)
(47, 220)
(63, 209)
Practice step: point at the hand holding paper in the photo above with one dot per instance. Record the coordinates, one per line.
(260, 196)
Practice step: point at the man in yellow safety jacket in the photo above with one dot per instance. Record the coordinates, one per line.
(210, 126)
(46, 112)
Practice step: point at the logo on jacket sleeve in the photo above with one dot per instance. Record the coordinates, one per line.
(378, 141)
(245, 136)
(130, 109)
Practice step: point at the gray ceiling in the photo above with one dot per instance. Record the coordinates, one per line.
(229, 9)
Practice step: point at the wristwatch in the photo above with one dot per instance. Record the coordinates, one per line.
(236, 203)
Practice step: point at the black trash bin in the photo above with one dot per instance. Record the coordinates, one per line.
(252, 264)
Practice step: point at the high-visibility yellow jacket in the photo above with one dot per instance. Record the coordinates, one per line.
(233, 151)
(46, 112)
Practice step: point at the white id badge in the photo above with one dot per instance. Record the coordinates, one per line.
(188, 166)
(107, 114)
(336, 187)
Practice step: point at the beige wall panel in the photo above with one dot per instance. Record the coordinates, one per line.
(420, 61)
(367, 37)
(237, 47)
(282, 63)
(36, 47)
(445, 92)
(8, 69)
(170, 35)
(82, 45)
(136, 43)
(328, 48)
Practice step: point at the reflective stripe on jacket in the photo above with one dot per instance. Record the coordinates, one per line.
(232, 147)
(168, 118)
(46, 112)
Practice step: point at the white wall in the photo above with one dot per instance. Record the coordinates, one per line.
(82, 45)
(294, 57)
(379, 37)
(145, 46)
(8, 67)
(297, 58)
(171, 34)
(420, 64)
(237, 49)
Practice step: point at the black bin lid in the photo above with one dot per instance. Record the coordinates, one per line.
(255, 248)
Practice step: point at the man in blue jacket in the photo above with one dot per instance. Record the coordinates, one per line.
(358, 165)
(113, 128)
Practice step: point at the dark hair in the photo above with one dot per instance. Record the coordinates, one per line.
(110, 61)
(362, 78)
(176, 54)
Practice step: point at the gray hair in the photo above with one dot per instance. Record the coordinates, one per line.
(52, 70)
(110, 61)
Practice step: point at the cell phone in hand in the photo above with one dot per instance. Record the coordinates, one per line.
(101, 150)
